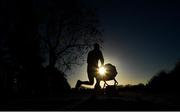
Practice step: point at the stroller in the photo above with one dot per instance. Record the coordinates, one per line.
(110, 74)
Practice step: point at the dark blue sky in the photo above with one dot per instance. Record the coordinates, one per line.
(141, 37)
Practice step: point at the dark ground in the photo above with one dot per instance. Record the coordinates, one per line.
(87, 100)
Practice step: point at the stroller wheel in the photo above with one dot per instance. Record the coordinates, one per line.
(106, 84)
(115, 82)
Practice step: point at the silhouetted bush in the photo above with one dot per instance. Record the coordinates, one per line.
(57, 83)
(165, 82)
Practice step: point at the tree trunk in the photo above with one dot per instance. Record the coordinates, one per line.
(52, 59)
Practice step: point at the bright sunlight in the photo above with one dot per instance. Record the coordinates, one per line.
(102, 71)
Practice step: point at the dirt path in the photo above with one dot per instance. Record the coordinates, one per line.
(85, 101)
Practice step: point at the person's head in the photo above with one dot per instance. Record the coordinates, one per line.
(96, 46)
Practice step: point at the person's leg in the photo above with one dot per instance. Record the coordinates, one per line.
(90, 77)
(97, 86)
(78, 84)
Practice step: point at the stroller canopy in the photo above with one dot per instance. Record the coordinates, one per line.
(111, 72)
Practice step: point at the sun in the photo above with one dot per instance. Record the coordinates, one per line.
(102, 71)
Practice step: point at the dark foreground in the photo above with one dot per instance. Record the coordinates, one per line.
(87, 100)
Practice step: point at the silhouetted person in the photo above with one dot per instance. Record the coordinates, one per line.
(93, 57)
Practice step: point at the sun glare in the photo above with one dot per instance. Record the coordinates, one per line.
(102, 71)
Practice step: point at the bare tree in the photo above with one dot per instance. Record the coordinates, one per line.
(69, 31)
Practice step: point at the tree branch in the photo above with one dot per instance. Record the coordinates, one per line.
(70, 46)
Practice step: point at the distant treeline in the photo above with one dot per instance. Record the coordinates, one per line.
(162, 82)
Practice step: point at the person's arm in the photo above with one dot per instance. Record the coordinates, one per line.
(101, 58)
